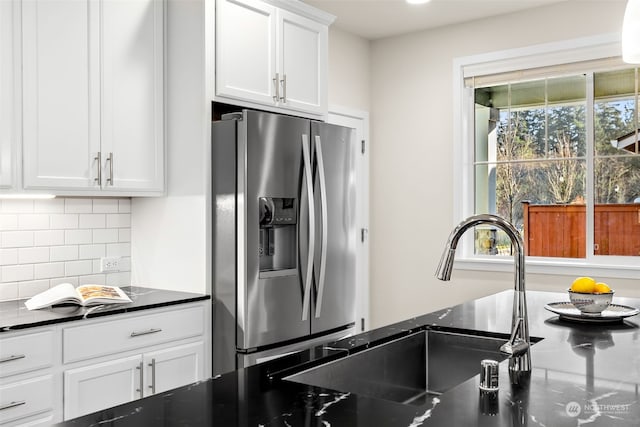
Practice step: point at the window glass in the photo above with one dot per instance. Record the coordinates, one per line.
(532, 164)
(616, 164)
(615, 113)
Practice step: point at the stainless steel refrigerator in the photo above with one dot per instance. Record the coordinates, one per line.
(284, 244)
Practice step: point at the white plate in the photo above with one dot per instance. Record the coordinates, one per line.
(613, 313)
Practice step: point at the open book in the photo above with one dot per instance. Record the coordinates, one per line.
(82, 295)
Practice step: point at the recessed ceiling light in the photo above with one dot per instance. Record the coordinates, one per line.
(418, 1)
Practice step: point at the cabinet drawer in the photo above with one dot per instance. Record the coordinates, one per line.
(26, 398)
(98, 339)
(25, 353)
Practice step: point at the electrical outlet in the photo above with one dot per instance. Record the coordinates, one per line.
(110, 264)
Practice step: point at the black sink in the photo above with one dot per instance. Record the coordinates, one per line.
(412, 369)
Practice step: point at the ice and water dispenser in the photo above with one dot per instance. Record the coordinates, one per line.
(278, 219)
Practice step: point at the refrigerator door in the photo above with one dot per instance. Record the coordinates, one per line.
(271, 273)
(245, 360)
(335, 204)
(223, 187)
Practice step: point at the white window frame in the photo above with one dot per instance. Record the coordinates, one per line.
(543, 55)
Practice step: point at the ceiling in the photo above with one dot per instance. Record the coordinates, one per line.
(374, 19)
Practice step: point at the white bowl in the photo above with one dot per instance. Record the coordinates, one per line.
(590, 303)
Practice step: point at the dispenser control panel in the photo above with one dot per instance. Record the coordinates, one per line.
(275, 211)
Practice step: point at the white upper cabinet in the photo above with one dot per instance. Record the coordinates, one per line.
(132, 95)
(61, 105)
(245, 54)
(93, 95)
(7, 99)
(269, 56)
(302, 60)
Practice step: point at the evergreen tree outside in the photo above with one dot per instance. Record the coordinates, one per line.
(541, 148)
(617, 173)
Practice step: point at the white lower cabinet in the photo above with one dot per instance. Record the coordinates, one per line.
(102, 385)
(173, 367)
(28, 380)
(25, 398)
(111, 362)
(60, 372)
(26, 352)
(94, 387)
(46, 421)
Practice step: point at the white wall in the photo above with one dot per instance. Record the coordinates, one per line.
(169, 235)
(349, 70)
(411, 155)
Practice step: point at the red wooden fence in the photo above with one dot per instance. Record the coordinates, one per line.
(559, 230)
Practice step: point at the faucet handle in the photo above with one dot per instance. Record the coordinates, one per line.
(516, 347)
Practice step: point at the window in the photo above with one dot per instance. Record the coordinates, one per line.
(553, 147)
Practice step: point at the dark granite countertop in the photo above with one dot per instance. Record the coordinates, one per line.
(14, 315)
(582, 374)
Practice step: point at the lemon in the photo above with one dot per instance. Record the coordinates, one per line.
(601, 288)
(585, 285)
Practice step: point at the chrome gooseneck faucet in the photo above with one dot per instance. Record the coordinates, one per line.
(518, 346)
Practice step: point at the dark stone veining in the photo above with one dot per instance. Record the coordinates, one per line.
(583, 374)
(14, 315)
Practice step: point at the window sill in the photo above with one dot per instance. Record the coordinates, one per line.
(562, 267)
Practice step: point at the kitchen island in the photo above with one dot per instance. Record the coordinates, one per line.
(583, 373)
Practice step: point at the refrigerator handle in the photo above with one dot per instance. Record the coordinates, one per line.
(324, 219)
(306, 157)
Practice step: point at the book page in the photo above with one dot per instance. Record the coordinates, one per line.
(64, 292)
(102, 293)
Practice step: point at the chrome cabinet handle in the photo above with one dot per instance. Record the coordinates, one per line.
(276, 84)
(153, 376)
(110, 160)
(140, 368)
(12, 404)
(98, 159)
(306, 157)
(283, 82)
(325, 234)
(150, 331)
(12, 357)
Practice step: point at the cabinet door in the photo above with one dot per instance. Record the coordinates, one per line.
(7, 107)
(173, 367)
(25, 398)
(61, 108)
(302, 59)
(132, 95)
(245, 55)
(92, 388)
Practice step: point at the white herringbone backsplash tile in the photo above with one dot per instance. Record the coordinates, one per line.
(47, 242)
